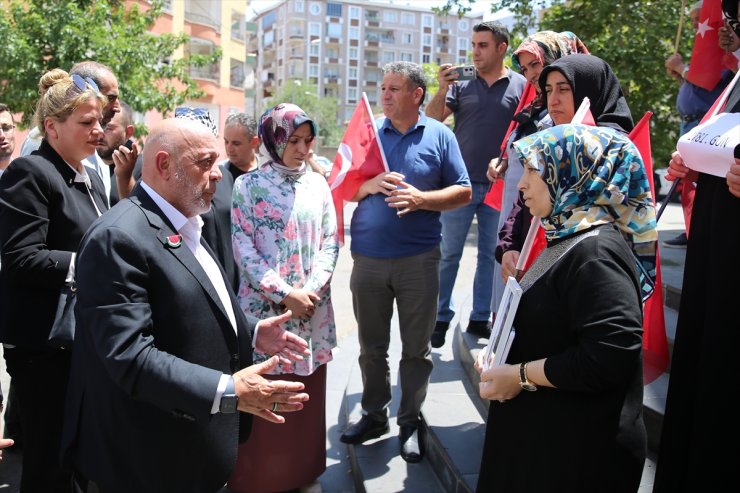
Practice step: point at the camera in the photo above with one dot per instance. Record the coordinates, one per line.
(465, 72)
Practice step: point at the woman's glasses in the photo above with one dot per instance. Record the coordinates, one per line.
(83, 84)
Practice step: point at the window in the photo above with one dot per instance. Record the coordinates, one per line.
(425, 58)
(313, 70)
(354, 33)
(315, 8)
(237, 73)
(334, 9)
(390, 16)
(269, 19)
(407, 57)
(352, 72)
(427, 40)
(463, 25)
(314, 29)
(334, 30)
(352, 94)
(299, 5)
(427, 20)
(463, 43)
(407, 38)
(389, 56)
(408, 18)
(354, 12)
(462, 60)
(268, 38)
(354, 53)
(314, 49)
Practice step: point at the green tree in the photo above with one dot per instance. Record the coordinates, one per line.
(39, 35)
(323, 110)
(633, 36)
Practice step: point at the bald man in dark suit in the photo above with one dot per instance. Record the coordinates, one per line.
(161, 387)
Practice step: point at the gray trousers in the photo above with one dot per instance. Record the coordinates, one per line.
(413, 283)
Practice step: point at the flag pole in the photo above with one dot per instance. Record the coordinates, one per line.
(366, 102)
(680, 26)
(667, 199)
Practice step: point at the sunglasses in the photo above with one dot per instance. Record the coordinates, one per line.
(83, 84)
(187, 110)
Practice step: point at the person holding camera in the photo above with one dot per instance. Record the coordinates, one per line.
(483, 107)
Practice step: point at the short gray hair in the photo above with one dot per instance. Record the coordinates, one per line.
(412, 71)
(243, 120)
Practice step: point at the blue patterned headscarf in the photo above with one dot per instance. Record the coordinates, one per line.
(595, 175)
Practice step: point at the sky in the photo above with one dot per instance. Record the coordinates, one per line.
(480, 6)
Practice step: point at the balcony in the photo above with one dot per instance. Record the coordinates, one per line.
(204, 12)
(332, 79)
(209, 72)
(372, 18)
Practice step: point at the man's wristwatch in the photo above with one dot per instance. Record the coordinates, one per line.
(229, 400)
(524, 382)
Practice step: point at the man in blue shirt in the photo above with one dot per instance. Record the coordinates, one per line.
(395, 247)
(483, 109)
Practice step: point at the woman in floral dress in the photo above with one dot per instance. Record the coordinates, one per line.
(284, 233)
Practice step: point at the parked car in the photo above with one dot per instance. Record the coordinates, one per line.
(325, 163)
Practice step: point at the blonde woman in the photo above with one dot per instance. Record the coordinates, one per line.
(47, 202)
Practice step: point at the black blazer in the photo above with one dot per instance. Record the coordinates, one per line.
(217, 223)
(152, 341)
(43, 216)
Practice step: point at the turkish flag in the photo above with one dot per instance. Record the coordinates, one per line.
(495, 195)
(359, 158)
(654, 340)
(706, 65)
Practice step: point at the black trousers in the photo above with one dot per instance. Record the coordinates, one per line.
(40, 382)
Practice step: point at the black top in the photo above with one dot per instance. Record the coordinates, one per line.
(217, 223)
(587, 435)
(43, 215)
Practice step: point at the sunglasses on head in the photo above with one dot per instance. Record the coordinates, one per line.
(83, 83)
(187, 110)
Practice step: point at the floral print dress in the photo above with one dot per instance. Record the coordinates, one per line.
(284, 232)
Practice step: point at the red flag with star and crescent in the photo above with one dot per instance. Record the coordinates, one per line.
(359, 157)
(707, 58)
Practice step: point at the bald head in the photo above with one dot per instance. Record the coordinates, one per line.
(180, 164)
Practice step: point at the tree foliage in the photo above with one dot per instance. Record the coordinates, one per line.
(39, 35)
(323, 110)
(633, 36)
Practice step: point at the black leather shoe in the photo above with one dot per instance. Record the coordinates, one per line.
(365, 429)
(480, 328)
(412, 447)
(438, 336)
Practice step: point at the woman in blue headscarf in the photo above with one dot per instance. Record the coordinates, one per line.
(566, 408)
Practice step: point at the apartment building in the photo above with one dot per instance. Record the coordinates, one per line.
(210, 24)
(342, 45)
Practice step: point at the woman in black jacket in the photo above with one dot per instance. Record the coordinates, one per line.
(47, 202)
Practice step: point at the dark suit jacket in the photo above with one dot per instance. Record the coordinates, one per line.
(43, 216)
(152, 341)
(217, 223)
